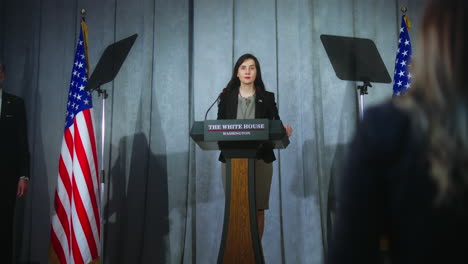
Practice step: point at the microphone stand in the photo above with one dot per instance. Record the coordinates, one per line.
(217, 98)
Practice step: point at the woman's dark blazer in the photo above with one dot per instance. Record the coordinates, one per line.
(265, 107)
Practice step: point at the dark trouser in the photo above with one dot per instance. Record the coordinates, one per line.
(8, 200)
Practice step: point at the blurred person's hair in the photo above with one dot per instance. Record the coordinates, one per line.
(438, 101)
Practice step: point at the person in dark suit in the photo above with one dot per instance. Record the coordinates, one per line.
(407, 169)
(245, 97)
(14, 161)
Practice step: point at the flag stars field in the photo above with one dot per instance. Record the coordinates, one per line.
(402, 76)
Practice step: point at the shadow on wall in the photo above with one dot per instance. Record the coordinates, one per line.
(325, 186)
(349, 121)
(136, 214)
(32, 216)
(336, 171)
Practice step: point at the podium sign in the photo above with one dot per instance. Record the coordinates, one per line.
(208, 139)
(236, 130)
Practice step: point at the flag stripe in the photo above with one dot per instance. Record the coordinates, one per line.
(59, 250)
(88, 114)
(81, 150)
(89, 160)
(62, 217)
(63, 184)
(62, 243)
(92, 139)
(85, 187)
(81, 226)
(75, 252)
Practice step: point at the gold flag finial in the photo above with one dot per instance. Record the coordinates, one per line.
(407, 20)
(83, 12)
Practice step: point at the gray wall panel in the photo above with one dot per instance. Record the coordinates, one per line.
(300, 215)
(22, 55)
(170, 119)
(365, 28)
(255, 32)
(212, 66)
(56, 56)
(130, 180)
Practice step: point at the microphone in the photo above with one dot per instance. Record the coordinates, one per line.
(217, 99)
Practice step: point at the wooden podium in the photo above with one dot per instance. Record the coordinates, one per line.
(239, 141)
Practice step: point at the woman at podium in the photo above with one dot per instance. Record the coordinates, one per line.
(245, 97)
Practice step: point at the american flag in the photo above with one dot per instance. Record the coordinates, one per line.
(75, 232)
(402, 75)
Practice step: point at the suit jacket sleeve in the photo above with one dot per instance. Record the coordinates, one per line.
(23, 140)
(274, 108)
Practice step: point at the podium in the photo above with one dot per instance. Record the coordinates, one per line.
(239, 141)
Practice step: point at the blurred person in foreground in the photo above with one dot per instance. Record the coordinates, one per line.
(407, 171)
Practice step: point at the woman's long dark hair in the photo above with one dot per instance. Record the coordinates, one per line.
(234, 83)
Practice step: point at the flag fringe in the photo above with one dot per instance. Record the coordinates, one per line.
(408, 23)
(96, 261)
(53, 258)
(84, 27)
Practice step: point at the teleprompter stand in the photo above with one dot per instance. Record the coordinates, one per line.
(105, 71)
(356, 59)
(110, 63)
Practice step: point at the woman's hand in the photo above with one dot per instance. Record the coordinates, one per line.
(289, 130)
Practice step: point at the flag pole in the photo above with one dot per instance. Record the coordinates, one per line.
(102, 171)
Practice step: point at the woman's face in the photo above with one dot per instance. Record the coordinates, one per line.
(247, 72)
